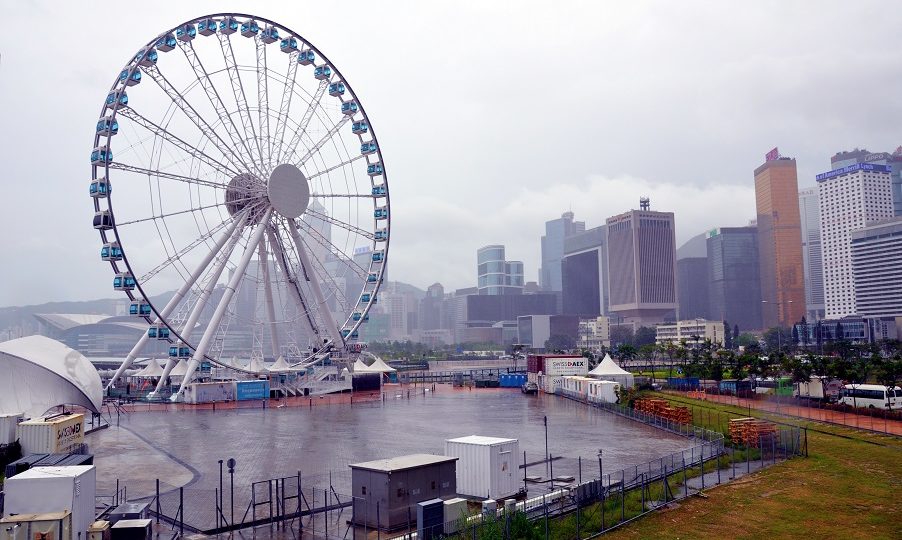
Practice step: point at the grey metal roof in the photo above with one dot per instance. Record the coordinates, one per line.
(402, 463)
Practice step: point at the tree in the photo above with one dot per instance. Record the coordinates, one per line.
(727, 336)
(626, 352)
(889, 371)
(621, 334)
(560, 343)
(745, 340)
(735, 332)
(775, 338)
(644, 336)
(837, 332)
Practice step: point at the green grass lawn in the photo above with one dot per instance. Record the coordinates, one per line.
(848, 487)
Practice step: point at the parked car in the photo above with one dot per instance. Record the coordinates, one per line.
(530, 388)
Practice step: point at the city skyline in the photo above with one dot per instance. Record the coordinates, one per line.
(653, 146)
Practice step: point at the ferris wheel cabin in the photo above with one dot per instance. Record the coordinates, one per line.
(228, 26)
(124, 281)
(289, 45)
(111, 252)
(99, 188)
(250, 29)
(103, 220)
(130, 80)
(118, 96)
(101, 155)
(180, 350)
(146, 57)
(270, 35)
(186, 33)
(306, 57)
(374, 169)
(206, 27)
(107, 126)
(381, 235)
(166, 43)
(322, 73)
(349, 108)
(158, 331)
(359, 127)
(368, 147)
(378, 256)
(139, 308)
(379, 191)
(380, 213)
(337, 89)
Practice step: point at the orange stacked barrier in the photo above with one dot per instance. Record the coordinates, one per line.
(696, 394)
(751, 431)
(660, 407)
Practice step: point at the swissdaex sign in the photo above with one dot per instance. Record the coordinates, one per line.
(576, 365)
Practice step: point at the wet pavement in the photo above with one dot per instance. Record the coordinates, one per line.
(183, 447)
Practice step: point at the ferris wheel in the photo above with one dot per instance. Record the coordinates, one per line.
(250, 216)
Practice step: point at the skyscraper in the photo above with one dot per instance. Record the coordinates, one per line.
(850, 198)
(877, 268)
(584, 271)
(642, 263)
(891, 160)
(556, 231)
(692, 278)
(735, 287)
(779, 241)
(812, 256)
(430, 309)
(497, 275)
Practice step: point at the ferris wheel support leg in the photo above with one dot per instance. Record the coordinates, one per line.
(227, 295)
(199, 306)
(270, 308)
(293, 290)
(176, 299)
(331, 327)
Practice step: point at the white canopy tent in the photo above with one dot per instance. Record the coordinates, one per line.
(608, 370)
(280, 365)
(359, 366)
(153, 369)
(378, 366)
(256, 365)
(180, 369)
(43, 373)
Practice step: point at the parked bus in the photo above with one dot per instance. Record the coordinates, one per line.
(872, 395)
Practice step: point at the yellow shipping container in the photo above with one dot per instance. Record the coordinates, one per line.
(58, 434)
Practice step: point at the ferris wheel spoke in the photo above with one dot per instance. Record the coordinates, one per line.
(200, 72)
(347, 226)
(281, 256)
(170, 214)
(205, 129)
(228, 54)
(200, 304)
(164, 174)
(322, 142)
(263, 101)
(287, 93)
(158, 131)
(301, 128)
(344, 163)
(185, 250)
(313, 280)
(321, 239)
(233, 231)
(267, 292)
(212, 327)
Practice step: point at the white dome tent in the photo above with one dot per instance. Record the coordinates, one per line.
(152, 370)
(47, 374)
(608, 370)
(279, 366)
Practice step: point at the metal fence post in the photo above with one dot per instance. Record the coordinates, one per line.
(158, 501)
(182, 512)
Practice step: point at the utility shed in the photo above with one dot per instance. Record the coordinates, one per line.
(488, 466)
(386, 491)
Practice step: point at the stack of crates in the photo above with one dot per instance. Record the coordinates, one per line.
(751, 431)
(660, 407)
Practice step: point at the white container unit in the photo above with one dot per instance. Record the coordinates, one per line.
(8, 423)
(52, 434)
(209, 392)
(54, 489)
(487, 467)
(603, 391)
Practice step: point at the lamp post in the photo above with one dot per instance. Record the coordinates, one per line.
(779, 326)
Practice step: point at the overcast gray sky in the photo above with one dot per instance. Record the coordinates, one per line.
(493, 117)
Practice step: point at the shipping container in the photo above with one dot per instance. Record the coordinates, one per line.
(210, 392)
(487, 466)
(99, 530)
(683, 383)
(366, 382)
(52, 434)
(46, 460)
(247, 390)
(54, 489)
(603, 392)
(47, 526)
(512, 380)
(732, 386)
(8, 423)
(567, 365)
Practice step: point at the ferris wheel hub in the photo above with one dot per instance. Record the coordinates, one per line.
(288, 190)
(246, 190)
